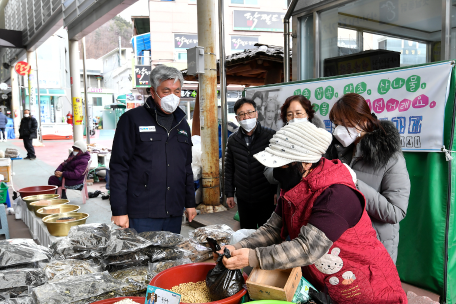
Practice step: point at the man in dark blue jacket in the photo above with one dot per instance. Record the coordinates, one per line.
(3, 123)
(151, 173)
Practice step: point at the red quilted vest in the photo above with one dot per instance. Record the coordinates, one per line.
(357, 268)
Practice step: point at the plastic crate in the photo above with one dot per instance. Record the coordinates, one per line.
(3, 193)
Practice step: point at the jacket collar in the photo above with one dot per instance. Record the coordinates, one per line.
(151, 106)
(239, 136)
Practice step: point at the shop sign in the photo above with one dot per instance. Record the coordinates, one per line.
(94, 90)
(142, 73)
(78, 114)
(23, 68)
(188, 94)
(254, 20)
(185, 41)
(243, 42)
(413, 99)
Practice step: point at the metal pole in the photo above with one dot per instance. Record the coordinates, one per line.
(286, 42)
(208, 105)
(316, 33)
(446, 28)
(120, 51)
(15, 102)
(85, 91)
(75, 78)
(40, 137)
(222, 76)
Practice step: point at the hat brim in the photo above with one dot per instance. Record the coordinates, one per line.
(272, 161)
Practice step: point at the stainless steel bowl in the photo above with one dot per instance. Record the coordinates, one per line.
(62, 228)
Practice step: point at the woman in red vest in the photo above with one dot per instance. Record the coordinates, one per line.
(325, 216)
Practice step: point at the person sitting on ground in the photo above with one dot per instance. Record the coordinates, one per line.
(72, 169)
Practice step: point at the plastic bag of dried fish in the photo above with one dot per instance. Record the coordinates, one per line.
(158, 253)
(125, 241)
(162, 238)
(74, 289)
(21, 300)
(58, 270)
(90, 237)
(157, 267)
(14, 252)
(118, 262)
(135, 279)
(10, 280)
(198, 252)
(217, 232)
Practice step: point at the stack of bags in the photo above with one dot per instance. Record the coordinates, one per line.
(221, 233)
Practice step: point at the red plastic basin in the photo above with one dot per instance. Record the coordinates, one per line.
(140, 300)
(37, 190)
(195, 272)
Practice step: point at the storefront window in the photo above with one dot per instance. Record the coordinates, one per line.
(97, 101)
(400, 26)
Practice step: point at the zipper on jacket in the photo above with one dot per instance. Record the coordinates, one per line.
(156, 119)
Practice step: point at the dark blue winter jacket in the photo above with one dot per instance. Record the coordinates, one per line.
(3, 120)
(151, 173)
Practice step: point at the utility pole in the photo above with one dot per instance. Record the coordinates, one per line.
(86, 99)
(40, 136)
(75, 80)
(222, 77)
(208, 107)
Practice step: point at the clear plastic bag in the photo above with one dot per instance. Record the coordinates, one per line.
(74, 289)
(197, 252)
(58, 270)
(21, 251)
(217, 232)
(135, 279)
(125, 241)
(18, 278)
(157, 267)
(103, 296)
(162, 238)
(90, 237)
(158, 253)
(63, 249)
(119, 262)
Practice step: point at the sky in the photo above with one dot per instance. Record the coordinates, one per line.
(140, 8)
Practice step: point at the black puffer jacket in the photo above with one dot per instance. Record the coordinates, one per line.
(28, 128)
(243, 173)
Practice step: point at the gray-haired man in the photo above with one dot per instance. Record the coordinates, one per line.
(151, 173)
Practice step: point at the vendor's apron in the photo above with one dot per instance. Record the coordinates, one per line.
(357, 268)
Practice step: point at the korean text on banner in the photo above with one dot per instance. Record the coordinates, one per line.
(413, 99)
(78, 114)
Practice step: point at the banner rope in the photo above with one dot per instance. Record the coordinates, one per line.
(447, 153)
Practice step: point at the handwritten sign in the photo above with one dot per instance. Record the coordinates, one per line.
(243, 42)
(185, 41)
(413, 99)
(142, 73)
(78, 114)
(22, 68)
(258, 21)
(156, 295)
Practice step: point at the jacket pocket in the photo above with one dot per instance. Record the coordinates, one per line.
(150, 137)
(183, 139)
(142, 185)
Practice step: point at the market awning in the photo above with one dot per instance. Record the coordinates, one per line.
(141, 25)
(122, 98)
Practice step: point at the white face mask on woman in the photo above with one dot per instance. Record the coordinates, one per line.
(26, 115)
(297, 119)
(169, 103)
(344, 136)
(248, 124)
(75, 153)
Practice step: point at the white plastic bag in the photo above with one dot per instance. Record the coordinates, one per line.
(240, 235)
(196, 157)
(17, 208)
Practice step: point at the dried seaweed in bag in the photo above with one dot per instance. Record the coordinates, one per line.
(198, 252)
(63, 249)
(134, 278)
(222, 282)
(74, 289)
(158, 253)
(119, 262)
(162, 238)
(157, 267)
(125, 241)
(11, 279)
(217, 232)
(90, 237)
(21, 300)
(58, 270)
(103, 296)
(15, 252)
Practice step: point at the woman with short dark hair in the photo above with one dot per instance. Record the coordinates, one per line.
(372, 148)
(297, 108)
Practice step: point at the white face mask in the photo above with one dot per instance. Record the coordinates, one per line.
(169, 103)
(26, 115)
(297, 120)
(248, 124)
(346, 138)
(75, 153)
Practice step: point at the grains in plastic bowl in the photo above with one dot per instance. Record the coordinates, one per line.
(126, 301)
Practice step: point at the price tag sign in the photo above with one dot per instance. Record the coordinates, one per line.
(23, 68)
(156, 295)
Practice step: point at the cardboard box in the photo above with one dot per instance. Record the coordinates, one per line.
(6, 172)
(273, 284)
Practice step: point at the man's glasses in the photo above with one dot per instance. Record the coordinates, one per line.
(246, 114)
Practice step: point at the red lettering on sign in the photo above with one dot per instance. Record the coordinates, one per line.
(23, 68)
